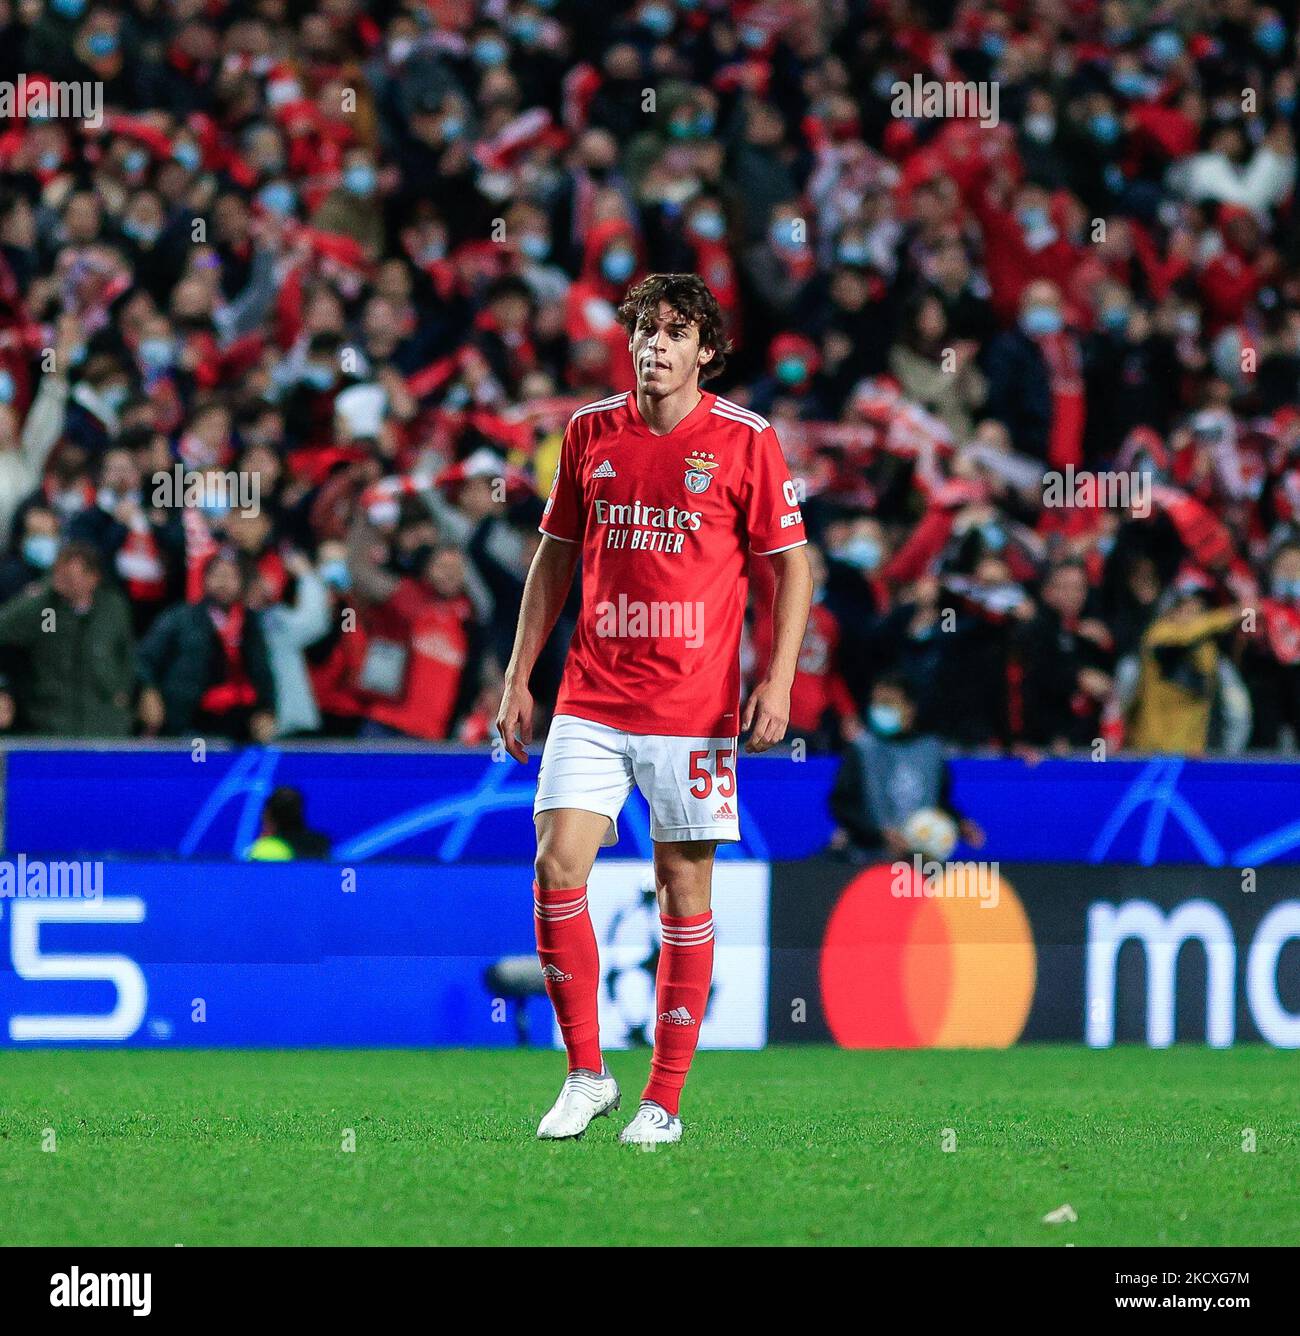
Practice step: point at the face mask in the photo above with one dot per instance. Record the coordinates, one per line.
(1287, 106)
(887, 720)
(658, 19)
(317, 376)
(135, 162)
(709, 226)
(1104, 127)
(1286, 589)
(1270, 37)
(101, 44)
(6, 388)
(993, 537)
(782, 237)
(863, 554)
(50, 160)
(535, 246)
(1033, 218)
(1164, 48)
(40, 549)
(69, 9)
(682, 129)
(1040, 320)
(279, 198)
(452, 129)
(489, 52)
(215, 509)
(704, 124)
(526, 29)
(1130, 83)
(993, 44)
(188, 156)
(145, 233)
(617, 266)
(852, 252)
(791, 370)
(155, 354)
(400, 48)
(336, 575)
(752, 36)
(1040, 128)
(359, 181)
(1115, 319)
(115, 396)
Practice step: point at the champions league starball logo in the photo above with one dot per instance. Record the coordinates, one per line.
(699, 472)
(631, 955)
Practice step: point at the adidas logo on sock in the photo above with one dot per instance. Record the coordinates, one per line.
(724, 813)
(555, 974)
(677, 1016)
(605, 470)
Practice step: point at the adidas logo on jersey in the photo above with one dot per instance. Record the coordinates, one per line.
(724, 813)
(555, 974)
(677, 1016)
(605, 470)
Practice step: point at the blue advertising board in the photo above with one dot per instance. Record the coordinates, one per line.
(268, 955)
(451, 807)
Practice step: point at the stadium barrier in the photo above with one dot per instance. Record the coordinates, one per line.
(454, 806)
(301, 955)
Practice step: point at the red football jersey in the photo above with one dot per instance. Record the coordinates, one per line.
(666, 525)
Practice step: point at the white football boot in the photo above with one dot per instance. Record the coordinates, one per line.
(583, 1096)
(652, 1126)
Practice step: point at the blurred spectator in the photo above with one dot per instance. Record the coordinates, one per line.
(358, 319)
(285, 835)
(423, 642)
(78, 658)
(889, 772)
(1180, 678)
(204, 666)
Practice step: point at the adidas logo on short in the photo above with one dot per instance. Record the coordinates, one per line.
(605, 470)
(724, 813)
(677, 1016)
(555, 974)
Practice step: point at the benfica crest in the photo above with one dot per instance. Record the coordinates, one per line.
(699, 472)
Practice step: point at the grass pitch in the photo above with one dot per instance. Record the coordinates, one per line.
(786, 1146)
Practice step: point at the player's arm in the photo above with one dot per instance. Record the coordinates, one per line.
(768, 708)
(545, 590)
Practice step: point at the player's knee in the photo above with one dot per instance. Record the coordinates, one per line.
(683, 890)
(555, 872)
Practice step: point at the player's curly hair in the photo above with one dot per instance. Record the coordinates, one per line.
(689, 296)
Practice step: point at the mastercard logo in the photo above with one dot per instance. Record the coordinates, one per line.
(901, 968)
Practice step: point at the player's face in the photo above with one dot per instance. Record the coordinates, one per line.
(667, 352)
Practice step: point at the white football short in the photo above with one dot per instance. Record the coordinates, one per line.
(689, 783)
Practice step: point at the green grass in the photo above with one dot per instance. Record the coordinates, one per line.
(787, 1146)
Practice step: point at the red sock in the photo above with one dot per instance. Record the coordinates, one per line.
(566, 946)
(681, 995)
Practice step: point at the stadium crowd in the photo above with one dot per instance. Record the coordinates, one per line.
(364, 261)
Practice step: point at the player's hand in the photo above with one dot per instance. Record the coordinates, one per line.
(153, 712)
(261, 726)
(768, 714)
(515, 721)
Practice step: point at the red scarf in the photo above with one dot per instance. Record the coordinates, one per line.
(236, 689)
(1064, 370)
